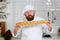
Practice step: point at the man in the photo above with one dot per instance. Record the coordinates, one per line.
(31, 32)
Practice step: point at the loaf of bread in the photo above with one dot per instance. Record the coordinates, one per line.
(31, 23)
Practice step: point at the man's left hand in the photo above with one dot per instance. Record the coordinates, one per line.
(49, 26)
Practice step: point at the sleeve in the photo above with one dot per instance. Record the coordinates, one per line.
(45, 28)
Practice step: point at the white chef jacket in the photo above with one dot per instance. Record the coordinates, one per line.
(32, 32)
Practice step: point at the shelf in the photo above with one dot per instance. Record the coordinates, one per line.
(2, 14)
(3, 4)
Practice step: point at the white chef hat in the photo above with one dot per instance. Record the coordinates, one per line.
(28, 7)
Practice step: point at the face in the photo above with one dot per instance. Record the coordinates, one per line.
(29, 14)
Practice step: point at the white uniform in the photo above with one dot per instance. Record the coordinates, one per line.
(32, 33)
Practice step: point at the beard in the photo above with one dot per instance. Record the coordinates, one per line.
(30, 18)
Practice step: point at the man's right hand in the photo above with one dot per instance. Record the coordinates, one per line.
(16, 29)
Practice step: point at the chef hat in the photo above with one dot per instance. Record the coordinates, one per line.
(28, 7)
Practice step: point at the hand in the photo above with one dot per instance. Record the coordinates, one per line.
(49, 26)
(16, 29)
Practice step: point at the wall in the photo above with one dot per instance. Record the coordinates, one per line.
(9, 20)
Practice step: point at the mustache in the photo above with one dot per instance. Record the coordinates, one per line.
(29, 15)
